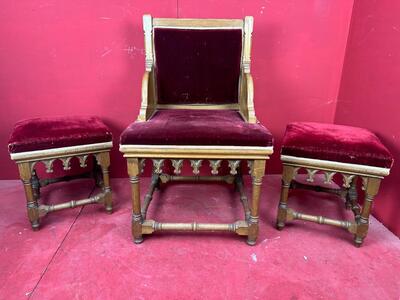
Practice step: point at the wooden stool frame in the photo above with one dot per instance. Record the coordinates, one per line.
(136, 154)
(27, 161)
(369, 176)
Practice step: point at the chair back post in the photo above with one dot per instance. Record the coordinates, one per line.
(248, 30)
(148, 43)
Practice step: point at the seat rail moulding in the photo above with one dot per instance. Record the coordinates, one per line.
(60, 152)
(178, 151)
(335, 166)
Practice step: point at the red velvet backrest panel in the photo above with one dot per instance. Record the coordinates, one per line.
(197, 66)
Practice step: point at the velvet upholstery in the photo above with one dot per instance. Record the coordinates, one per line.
(197, 66)
(335, 143)
(196, 127)
(55, 132)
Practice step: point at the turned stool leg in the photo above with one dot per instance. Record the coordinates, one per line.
(103, 159)
(371, 189)
(287, 177)
(133, 171)
(32, 205)
(257, 175)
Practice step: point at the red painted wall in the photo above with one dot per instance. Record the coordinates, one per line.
(72, 58)
(86, 57)
(370, 92)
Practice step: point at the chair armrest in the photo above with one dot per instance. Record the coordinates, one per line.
(147, 106)
(247, 98)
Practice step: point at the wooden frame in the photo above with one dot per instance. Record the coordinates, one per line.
(137, 154)
(27, 162)
(370, 179)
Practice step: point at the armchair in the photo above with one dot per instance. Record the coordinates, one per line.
(197, 105)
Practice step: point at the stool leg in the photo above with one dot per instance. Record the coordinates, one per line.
(257, 175)
(103, 159)
(133, 171)
(32, 205)
(371, 189)
(287, 177)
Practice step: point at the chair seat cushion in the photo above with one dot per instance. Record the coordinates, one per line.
(56, 132)
(196, 127)
(335, 143)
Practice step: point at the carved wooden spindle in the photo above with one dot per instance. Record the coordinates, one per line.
(250, 164)
(49, 165)
(83, 160)
(196, 163)
(177, 164)
(233, 165)
(328, 177)
(158, 165)
(310, 174)
(215, 164)
(347, 179)
(66, 163)
(142, 164)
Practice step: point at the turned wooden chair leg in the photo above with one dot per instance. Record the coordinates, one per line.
(133, 171)
(257, 175)
(103, 159)
(287, 177)
(32, 204)
(371, 189)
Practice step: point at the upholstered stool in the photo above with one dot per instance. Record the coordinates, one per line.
(60, 138)
(353, 153)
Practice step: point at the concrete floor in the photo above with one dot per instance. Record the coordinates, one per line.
(83, 253)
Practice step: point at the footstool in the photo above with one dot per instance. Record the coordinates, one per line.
(60, 138)
(356, 155)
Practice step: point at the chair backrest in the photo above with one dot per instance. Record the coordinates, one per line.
(197, 62)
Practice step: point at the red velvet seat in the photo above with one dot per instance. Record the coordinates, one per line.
(335, 143)
(56, 132)
(197, 127)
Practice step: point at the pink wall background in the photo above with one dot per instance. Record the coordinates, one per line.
(370, 91)
(86, 57)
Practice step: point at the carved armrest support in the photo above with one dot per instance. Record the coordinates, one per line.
(147, 104)
(247, 98)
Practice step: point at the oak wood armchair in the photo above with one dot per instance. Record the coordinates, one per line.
(197, 104)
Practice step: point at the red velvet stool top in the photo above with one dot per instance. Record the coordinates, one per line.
(335, 143)
(196, 127)
(56, 132)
